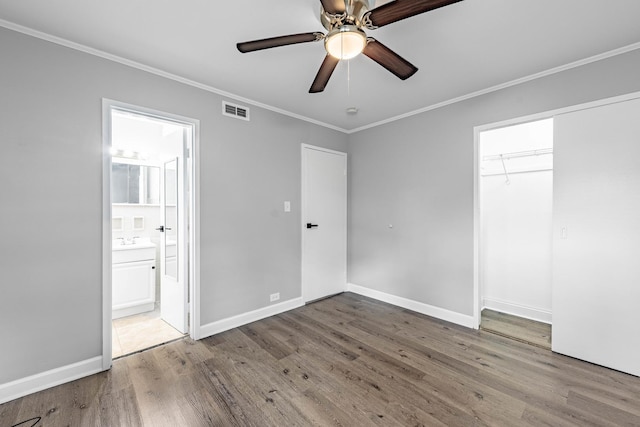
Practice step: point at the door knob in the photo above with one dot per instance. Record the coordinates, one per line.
(309, 225)
(162, 228)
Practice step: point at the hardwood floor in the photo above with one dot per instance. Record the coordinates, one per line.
(344, 361)
(518, 328)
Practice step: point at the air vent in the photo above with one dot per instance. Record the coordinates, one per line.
(236, 111)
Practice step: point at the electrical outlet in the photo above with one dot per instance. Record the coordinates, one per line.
(274, 297)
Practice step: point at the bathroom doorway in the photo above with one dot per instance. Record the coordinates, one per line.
(150, 236)
(515, 177)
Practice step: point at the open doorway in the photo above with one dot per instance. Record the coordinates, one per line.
(515, 177)
(149, 229)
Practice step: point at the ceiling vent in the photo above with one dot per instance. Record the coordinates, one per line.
(237, 111)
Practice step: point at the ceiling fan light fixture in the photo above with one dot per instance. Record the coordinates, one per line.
(345, 42)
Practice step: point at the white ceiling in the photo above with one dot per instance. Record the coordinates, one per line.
(459, 49)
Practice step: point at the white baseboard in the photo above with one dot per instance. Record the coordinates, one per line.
(24, 386)
(245, 318)
(117, 313)
(532, 313)
(429, 310)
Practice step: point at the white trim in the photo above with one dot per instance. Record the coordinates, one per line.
(130, 311)
(477, 272)
(532, 313)
(326, 150)
(249, 317)
(64, 374)
(531, 77)
(477, 201)
(107, 238)
(133, 64)
(420, 307)
(558, 111)
(303, 209)
(193, 161)
(111, 57)
(194, 213)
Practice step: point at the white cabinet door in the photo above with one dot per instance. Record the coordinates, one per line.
(134, 287)
(596, 267)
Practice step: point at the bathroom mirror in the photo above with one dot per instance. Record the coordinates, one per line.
(135, 184)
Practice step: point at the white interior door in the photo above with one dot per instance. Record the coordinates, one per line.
(173, 246)
(324, 222)
(596, 271)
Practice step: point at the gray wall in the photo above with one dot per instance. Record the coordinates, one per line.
(50, 211)
(417, 174)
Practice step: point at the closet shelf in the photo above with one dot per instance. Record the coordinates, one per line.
(506, 156)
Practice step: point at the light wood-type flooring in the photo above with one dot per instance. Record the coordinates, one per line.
(518, 328)
(134, 333)
(344, 361)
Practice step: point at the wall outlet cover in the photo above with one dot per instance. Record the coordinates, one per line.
(274, 297)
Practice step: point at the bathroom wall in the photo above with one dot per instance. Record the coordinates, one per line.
(51, 135)
(151, 215)
(155, 142)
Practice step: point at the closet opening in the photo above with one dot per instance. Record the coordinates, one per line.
(515, 194)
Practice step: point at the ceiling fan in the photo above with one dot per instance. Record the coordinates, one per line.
(345, 21)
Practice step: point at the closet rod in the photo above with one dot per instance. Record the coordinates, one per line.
(515, 172)
(519, 154)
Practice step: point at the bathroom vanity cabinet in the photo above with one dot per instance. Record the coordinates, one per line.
(133, 279)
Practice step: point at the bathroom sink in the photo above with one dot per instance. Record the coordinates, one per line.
(133, 251)
(128, 244)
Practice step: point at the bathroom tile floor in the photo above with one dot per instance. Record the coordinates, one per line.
(134, 333)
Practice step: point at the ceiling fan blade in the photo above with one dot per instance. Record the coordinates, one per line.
(254, 45)
(324, 74)
(389, 59)
(333, 7)
(401, 9)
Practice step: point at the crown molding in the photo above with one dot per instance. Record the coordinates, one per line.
(501, 86)
(115, 58)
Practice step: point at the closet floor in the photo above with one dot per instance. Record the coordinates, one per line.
(517, 328)
(135, 333)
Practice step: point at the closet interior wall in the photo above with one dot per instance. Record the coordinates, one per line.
(516, 219)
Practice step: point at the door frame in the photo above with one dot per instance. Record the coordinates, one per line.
(192, 186)
(477, 200)
(303, 210)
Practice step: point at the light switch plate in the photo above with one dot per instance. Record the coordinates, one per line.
(564, 233)
(287, 206)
